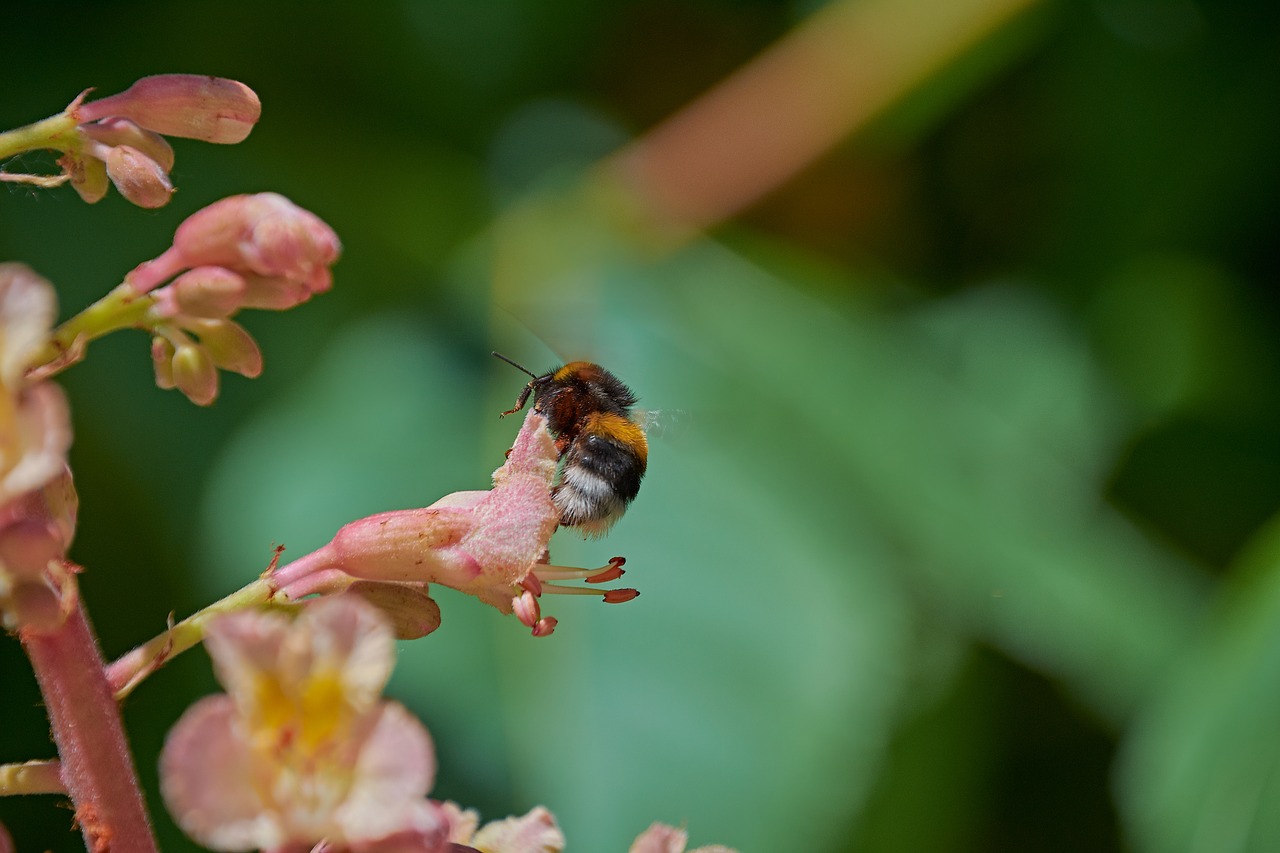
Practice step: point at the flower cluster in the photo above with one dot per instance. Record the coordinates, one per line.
(120, 139)
(37, 500)
(491, 545)
(246, 251)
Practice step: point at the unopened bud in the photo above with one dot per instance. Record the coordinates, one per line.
(230, 346)
(193, 106)
(209, 292)
(119, 131)
(412, 612)
(194, 374)
(139, 179)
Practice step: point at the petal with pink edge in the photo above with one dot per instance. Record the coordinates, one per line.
(394, 771)
(206, 774)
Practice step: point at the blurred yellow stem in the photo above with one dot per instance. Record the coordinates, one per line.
(32, 777)
(827, 78)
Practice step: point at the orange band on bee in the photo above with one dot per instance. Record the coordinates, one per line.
(622, 430)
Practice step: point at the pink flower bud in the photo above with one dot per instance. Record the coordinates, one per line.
(264, 234)
(118, 131)
(194, 374)
(209, 292)
(230, 346)
(139, 179)
(193, 106)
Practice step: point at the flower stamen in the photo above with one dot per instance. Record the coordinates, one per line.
(610, 571)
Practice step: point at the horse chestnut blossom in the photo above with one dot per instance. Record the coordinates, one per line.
(489, 544)
(245, 251)
(37, 501)
(120, 138)
(302, 751)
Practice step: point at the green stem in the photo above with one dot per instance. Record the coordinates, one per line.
(122, 308)
(47, 133)
(32, 777)
(131, 669)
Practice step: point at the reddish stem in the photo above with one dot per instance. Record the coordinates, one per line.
(97, 767)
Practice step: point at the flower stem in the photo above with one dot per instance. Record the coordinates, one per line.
(31, 777)
(122, 308)
(46, 133)
(131, 669)
(96, 765)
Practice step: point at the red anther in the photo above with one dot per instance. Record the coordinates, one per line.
(617, 562)
(610, 574)
(545, 627)
(618, 596)
(532, 583)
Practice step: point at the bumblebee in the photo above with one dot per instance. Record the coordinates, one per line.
(603, 450)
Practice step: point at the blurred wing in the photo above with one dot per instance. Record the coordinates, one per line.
(663, 424)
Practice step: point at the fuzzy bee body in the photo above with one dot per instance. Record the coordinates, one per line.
(603, 451)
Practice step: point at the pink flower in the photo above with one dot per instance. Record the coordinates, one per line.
(492, 544)
(535, 832)
(302, 750)
(35, 429)
(246, 251)
(121, 137)
(660, 838)
(281, 251)
(37, 501)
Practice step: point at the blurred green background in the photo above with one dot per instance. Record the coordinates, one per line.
(966, 544)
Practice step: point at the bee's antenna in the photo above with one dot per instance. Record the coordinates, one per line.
(516, 366)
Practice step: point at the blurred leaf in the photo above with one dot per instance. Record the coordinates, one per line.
(1201, 767)
(1179, 336)
(976, 433)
